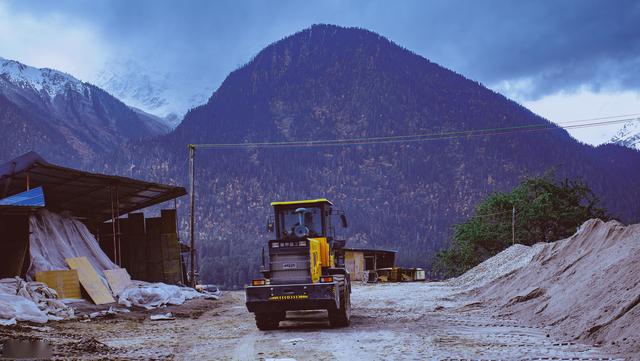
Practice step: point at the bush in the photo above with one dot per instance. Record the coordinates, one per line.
(545, 211)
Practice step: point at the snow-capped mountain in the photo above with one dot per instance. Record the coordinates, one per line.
(168, 96)
(45, 81)
(628, 135)
(42, 107)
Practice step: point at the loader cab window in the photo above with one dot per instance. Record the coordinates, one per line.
(291, 226)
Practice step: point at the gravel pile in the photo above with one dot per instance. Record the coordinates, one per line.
(585, 287)
(500, 265)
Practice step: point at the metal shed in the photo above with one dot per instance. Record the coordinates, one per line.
(148, 247)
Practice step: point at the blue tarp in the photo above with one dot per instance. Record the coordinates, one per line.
(30, 198)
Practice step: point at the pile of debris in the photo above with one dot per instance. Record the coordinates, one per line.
(586, 287)
(66, 259)
(30, 301)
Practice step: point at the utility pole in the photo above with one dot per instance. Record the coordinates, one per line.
(513, 225)
(192, 244)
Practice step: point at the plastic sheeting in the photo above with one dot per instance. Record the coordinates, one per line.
(30, 301)
(18, 308)
(153, 295)
(55, 237)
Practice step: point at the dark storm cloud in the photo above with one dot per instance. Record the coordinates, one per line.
(556, 45)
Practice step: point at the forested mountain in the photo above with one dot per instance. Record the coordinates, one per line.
(329, 82)
(69, 121)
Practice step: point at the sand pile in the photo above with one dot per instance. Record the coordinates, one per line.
(504, 263)
(585, 287)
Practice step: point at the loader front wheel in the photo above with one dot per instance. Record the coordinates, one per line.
(342, 316)
(268, 321)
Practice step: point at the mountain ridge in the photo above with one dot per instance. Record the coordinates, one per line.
(81, 115)
(330, 82)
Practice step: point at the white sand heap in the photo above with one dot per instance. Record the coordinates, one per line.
(584, 287)
(504, 263)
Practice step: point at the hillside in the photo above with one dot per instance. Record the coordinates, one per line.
(328, 82)
(56, 114)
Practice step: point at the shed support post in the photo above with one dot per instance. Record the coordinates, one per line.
(118, 225)
(513, 225)
(113, 228)
(192, 153)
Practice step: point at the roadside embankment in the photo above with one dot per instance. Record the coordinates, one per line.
(585, 287)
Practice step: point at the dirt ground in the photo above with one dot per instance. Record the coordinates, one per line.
(412, 321)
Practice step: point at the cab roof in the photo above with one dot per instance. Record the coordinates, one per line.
(306, 201)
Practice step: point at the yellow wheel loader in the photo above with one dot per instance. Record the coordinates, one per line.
(303, 271)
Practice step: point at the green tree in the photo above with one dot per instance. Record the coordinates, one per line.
(545, 211)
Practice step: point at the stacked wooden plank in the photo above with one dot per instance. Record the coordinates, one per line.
(170, 248)
(118, 280)
(90, 281)
(149, 247)
(65, 282)
(134, 253)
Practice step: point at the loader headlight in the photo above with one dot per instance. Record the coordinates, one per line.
(260, 282)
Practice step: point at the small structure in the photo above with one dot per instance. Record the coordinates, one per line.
(360, 260)
(148, 247)
(378, 265)
(397, 274)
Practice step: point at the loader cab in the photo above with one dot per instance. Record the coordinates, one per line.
(304, 241)
(305, 219)
(302, 219)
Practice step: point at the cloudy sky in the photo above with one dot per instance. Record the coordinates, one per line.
(565, 60)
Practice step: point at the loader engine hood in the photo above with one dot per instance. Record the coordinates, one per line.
(298, 261)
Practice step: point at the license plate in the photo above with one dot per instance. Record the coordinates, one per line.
(289, 265)
(288, 297)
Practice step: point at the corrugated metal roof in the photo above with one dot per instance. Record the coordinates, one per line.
(82, 193)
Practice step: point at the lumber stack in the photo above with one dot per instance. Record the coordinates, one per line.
(149, 247)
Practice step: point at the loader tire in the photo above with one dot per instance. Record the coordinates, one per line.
(342, 316)
(268, 321)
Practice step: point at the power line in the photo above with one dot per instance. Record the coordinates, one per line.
(634, 115)
(425, 136)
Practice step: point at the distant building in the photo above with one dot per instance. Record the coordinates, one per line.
(359, 260)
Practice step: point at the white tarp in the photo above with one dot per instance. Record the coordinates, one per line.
(152, 295)
(30, 301)
(55, 237)
(17, 308)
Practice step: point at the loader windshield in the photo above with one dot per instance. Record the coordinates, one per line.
(310, 218)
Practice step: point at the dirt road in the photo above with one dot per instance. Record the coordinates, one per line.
(412, 321)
